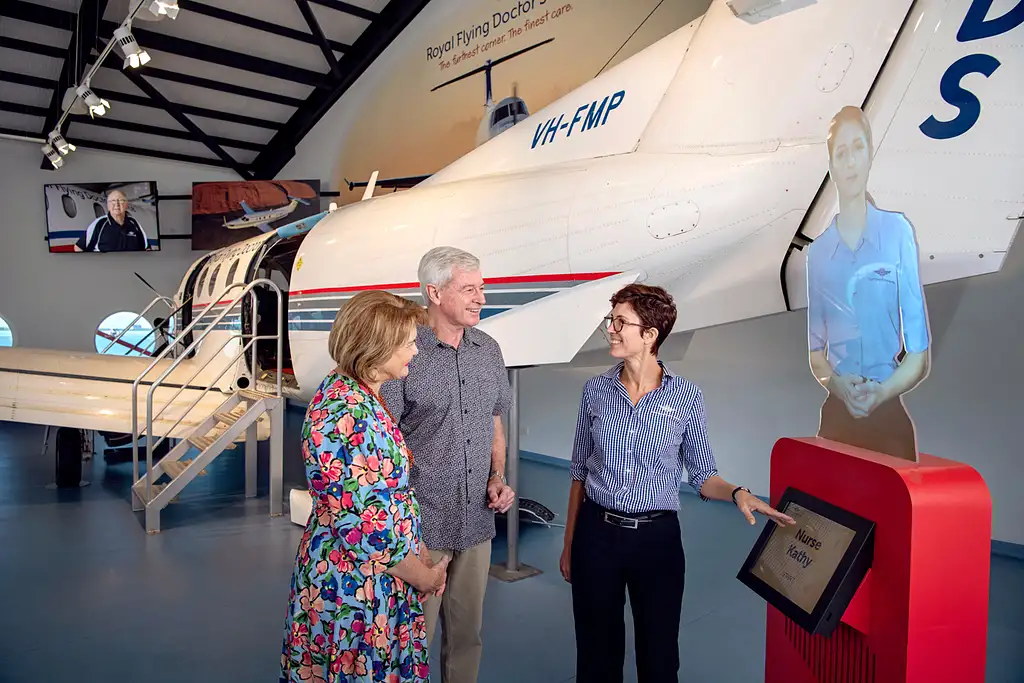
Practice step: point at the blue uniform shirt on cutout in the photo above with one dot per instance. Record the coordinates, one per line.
(632, 459)
(865, 305)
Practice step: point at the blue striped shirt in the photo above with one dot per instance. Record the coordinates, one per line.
(632, 458)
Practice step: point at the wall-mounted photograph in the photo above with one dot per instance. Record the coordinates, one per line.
(102, 217)
(227, 212)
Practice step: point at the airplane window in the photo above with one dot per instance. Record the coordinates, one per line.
(6, 336)
(70, 207)
(99, 209)
(200, 282)
(231, 272)
(133, 342)
(213, 279)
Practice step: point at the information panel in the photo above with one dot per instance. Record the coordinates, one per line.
(810, 570)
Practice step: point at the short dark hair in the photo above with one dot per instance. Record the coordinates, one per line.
(653, 305)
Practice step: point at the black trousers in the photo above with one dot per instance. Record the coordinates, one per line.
(605, 562)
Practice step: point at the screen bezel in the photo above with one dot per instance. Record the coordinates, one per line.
(845, 579)
(157, 241)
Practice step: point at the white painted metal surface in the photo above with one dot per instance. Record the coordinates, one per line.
(700, 175)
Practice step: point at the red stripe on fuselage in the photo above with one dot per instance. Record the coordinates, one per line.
(512, 280)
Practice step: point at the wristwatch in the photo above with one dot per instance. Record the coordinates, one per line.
(737, 490)
(499, 475)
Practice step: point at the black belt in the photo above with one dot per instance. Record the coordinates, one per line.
(628, 520)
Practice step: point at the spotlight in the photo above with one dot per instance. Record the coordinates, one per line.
(163, 8)
(60, 144)
(52, 155)
(97, 105)
(134, 56)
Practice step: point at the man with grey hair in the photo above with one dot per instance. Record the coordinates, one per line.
(449, 409)
(115, 230)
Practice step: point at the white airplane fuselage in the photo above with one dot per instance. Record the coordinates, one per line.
(697, 164)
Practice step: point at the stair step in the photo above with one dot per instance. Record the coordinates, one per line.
(228, 418)
(202, 442)
(256, 395)
(155, 490)
(173, 469)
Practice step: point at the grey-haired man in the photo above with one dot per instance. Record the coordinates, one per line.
(449, 409)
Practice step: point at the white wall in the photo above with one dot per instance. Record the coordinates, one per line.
(758, 388)
(57, 300)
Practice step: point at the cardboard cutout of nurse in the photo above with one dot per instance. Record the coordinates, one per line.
(867, 323)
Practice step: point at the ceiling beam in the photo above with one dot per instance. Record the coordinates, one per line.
(139, 100)
(321, 39)
(159, 131)
(62, 19)
(349, 8)
(142, 84)
(25, 109)
(31, 47)
(217, 86)
(154, 72)
(218, 55)
(258, 24)
(392, 20)
(124, 149)
(25, 79)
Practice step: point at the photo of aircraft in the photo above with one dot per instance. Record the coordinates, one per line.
(263, 219)
(696, 164)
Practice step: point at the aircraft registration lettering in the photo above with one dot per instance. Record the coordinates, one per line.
(586, 117)
(975, 26)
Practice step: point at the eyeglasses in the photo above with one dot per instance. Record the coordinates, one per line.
(617, 323)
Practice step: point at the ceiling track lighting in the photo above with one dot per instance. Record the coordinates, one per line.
(97, 105)
(78, 98)
(57, 141)
(134, 56)
(52, 155)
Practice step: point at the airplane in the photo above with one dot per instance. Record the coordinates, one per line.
(698, 164)
(497, 118)
(262, 219)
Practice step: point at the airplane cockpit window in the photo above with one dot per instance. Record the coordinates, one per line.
(136, 339)
(99, 209)
(6, 336)
(499, 114)
(231, 272)
(70, 207)
(213, 279)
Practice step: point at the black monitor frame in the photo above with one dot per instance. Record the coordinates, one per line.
(849, 574)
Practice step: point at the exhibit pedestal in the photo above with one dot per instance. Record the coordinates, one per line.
(920, 614)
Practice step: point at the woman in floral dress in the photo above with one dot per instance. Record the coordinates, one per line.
(355, 609)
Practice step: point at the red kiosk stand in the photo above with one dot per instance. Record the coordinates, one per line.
(917, 611)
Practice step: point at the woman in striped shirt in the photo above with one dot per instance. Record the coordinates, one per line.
(640, 427)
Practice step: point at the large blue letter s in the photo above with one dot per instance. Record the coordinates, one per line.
(964, 100)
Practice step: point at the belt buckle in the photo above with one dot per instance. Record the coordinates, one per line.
(625, 523)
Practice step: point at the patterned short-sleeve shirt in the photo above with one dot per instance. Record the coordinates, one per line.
(445, 409)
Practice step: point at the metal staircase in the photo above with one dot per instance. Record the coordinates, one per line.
(237, 417)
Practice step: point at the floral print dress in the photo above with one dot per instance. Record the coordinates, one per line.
(348, 620)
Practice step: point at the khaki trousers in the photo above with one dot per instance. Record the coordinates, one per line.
(461, 612)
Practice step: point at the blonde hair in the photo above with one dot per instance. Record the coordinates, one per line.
(368, 329)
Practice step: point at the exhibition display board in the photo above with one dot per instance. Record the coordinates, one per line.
(920, 613)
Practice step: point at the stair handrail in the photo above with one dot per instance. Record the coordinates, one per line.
(170, 316)
(246, 289)
(170, 306)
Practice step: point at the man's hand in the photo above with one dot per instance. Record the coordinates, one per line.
(749, 504)
(500, 495)
(848, 388)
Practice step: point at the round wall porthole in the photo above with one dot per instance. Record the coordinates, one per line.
(136, 341)
(6, 336)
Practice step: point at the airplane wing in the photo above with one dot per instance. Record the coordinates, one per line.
(576, 312)
(404, 182)
(94, 391)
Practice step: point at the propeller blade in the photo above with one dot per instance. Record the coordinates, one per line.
(492, 63)
(148, 285)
